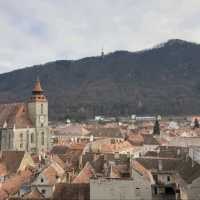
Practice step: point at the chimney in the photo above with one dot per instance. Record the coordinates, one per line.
(160, 165)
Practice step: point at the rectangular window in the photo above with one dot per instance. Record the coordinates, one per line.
(42, 108)
(168, 178)
(42, 138)
(155, 190)
(21, 140)
(32, 137)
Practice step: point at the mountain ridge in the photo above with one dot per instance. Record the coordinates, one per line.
(162, 80)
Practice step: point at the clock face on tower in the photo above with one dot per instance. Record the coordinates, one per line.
(41, 118)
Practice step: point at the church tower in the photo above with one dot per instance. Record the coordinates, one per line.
(38, 113)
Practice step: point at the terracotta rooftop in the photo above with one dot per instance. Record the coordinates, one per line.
(11, 160)
(51, 175)
(142, 139)
(37, 87)
(85, 174)
(153, 164)
(14, 115)
(59, 161)
(168, 152)
(109, 146)
(187, 169)
(13, 185)
(77, 146)
(71, 130)
(59, 149)
(106, 132)
(142, 170)
(3, 169)
(35, 194)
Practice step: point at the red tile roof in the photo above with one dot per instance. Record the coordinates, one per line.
(11, 160)
(85, 174)
(35, 194)
(3, 169)
(13, 185)
(14, 115)
(51, 175)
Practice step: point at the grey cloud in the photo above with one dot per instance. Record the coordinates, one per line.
(34, 32)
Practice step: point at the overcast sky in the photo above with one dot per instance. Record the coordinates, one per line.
(39, 31)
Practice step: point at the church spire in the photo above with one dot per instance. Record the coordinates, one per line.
(37, 88)
(37, 93)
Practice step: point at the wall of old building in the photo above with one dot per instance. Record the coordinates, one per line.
(22, 139)
(117, 189)
(144, 183)
(193, 189)
(38, 112)
(42, 184)
(7, 139)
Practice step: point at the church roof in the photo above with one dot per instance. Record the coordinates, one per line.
(37, 93)
(85, 174)
(37, 87)
(14, 115)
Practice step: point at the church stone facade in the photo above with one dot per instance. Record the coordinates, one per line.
(24, 126)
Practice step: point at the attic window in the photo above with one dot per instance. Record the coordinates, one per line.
(42, 180)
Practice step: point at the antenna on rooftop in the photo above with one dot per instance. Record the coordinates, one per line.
(102, 53)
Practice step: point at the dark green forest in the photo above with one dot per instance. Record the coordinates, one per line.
(163, 80)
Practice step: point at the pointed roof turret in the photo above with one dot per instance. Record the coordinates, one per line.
(37, 93)
(37, 88)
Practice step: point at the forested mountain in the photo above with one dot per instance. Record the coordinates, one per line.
(162, 80)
